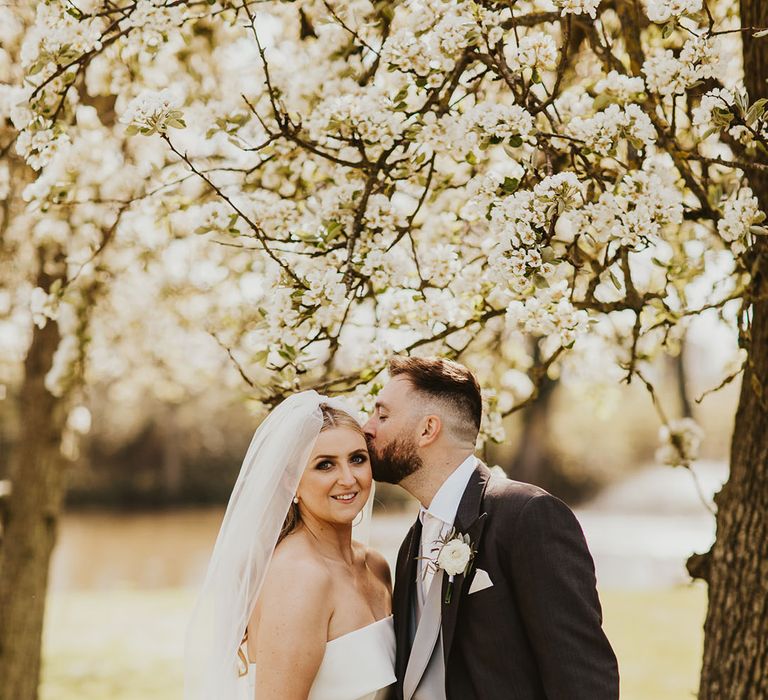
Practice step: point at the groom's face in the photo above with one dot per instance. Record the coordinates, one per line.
(390, 434)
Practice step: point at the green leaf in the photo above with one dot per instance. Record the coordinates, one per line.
(614, 279)
(540, 282)
(547, 254)
(516, 141)
(510, 184)
(756, 111)
(603, 100)
(37, 66)
(261, 357)
(669, 27)
(722, 116)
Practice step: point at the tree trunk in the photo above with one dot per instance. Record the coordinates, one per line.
(735, 661)
(534, 460)
(30, 521)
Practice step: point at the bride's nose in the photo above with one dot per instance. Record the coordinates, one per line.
(346, 478)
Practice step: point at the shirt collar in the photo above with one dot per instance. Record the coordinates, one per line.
(445, 503)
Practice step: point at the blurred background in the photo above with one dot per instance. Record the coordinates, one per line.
(149, 486)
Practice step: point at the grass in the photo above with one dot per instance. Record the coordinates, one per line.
(127, 645)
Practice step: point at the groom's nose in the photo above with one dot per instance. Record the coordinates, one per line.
(368, 428)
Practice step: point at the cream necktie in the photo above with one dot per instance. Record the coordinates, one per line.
(430, 534)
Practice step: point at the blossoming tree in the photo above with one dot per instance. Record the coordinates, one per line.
(80, 265)
(452, 177)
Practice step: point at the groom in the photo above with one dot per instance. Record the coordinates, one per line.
(495, 594)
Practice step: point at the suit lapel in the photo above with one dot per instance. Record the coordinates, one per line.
(469, 520)
(405, 578)
(425, 639)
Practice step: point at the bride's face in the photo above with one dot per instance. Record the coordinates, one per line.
(337, 480)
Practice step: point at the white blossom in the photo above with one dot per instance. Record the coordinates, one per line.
(622, 87)
(551, 313)
(667, 75)
(740, 212)
(662, 11)
(536, 50)
(578, 7)
(680, 442)
(607, 128)
(153, 112)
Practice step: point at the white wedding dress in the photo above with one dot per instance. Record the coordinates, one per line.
(359, 665)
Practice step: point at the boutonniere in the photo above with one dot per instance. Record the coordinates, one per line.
(455, 553)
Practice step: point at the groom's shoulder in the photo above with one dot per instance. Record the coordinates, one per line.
(506, 500)
(511, 496)
(509, 490)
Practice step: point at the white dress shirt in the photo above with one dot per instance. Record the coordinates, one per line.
(437, 521)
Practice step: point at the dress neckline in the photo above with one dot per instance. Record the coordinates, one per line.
(346, 634)
(359, 629)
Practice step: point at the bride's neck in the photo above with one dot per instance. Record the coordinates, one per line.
(332, 540)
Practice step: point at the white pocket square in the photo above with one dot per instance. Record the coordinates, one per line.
(480, 582)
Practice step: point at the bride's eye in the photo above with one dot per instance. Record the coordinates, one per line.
(324, 465)
(360, 458)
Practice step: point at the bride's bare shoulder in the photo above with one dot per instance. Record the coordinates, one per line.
(296, 559)
(378, 565)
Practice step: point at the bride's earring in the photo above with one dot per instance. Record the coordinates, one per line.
(296, 500)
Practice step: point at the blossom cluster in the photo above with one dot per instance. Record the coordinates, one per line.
(549, 313)
(668, 75)
(367, 116)
(636, 210)
(153, 113)
(622, 88)
(604, 131)
(740, 212)
(578, 7)
(662, 11)
(535, 51)
(680, 442)
(479, 125)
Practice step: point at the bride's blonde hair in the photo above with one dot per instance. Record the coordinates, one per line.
(332, 418)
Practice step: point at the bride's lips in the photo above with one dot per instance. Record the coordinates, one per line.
(345, 497)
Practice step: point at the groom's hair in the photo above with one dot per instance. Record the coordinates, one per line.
(449, 384)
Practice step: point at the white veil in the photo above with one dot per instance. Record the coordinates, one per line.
(260, 500)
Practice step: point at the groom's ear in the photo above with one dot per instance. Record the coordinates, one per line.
(429, 430)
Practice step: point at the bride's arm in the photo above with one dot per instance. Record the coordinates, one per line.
(292, 628)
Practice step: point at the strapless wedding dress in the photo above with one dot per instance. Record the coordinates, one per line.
(359, 665)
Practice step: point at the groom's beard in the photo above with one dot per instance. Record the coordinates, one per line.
(395, 460)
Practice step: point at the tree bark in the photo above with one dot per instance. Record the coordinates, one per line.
(735, 663)
(30, 520)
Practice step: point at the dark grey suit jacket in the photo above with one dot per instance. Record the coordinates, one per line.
(536, 634)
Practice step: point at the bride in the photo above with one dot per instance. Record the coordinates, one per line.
(292, 607)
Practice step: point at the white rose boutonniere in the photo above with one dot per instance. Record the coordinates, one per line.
(454, 556)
